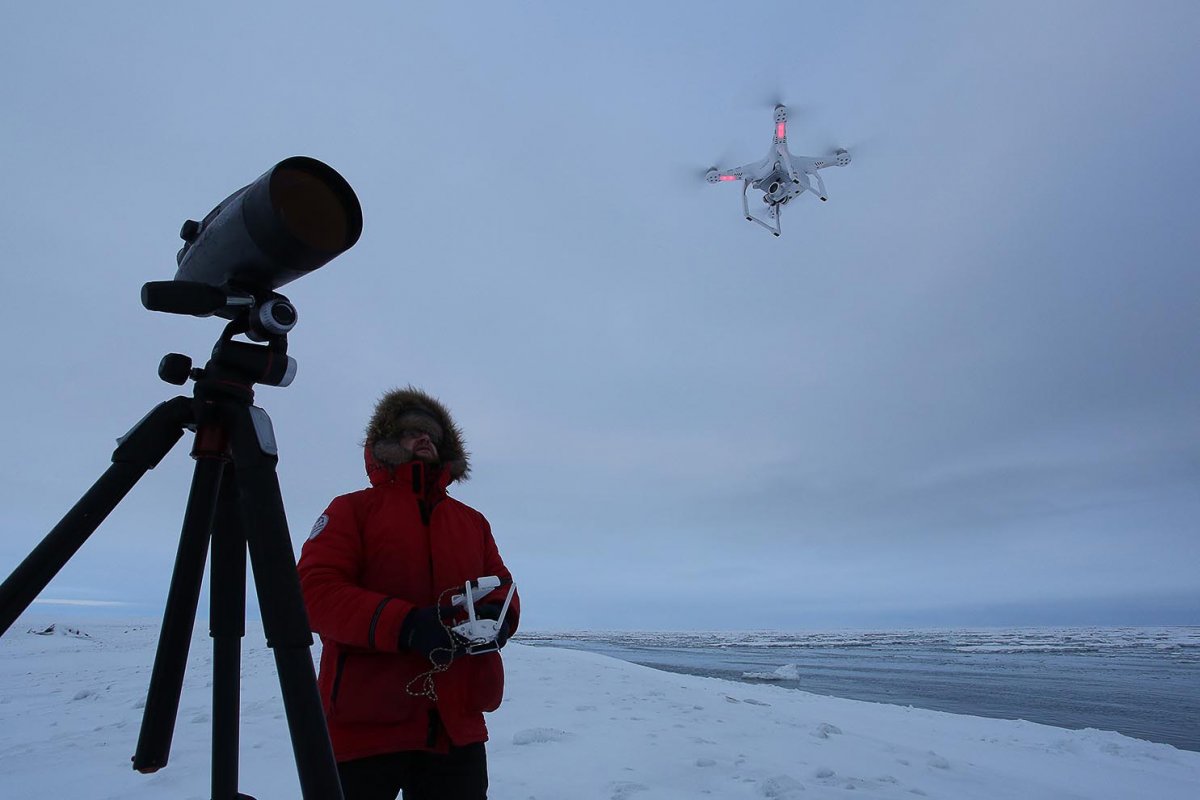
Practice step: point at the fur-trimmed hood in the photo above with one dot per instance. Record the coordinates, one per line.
(389, 419)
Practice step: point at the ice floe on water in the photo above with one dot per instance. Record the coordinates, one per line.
(1183, 640)
(788, 672)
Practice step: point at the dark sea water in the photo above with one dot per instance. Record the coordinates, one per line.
(1142, 682)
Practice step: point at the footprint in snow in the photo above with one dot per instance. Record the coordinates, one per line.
(937, 762)
(782, 787)
(623, 789)
(540, 735)
(825, 730)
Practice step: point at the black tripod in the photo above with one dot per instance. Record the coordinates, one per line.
(235, 501)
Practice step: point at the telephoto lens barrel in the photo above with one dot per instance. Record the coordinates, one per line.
(295, 218)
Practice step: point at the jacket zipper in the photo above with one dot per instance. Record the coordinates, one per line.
(426, 513)
(426, 509)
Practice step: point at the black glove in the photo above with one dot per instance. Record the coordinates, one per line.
(424, 633)
(492, 611)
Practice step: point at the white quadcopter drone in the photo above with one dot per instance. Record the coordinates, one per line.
(780, 176)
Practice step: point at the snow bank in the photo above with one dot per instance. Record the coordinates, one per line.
(574, 725)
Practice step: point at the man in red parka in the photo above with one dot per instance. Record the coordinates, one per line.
(403, 701)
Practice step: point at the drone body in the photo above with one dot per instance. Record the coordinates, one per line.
(780, 176)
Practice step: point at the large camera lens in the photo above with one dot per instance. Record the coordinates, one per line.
(311, 206)
(295, 218)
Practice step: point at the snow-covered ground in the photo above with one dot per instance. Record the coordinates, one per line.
(574, 725)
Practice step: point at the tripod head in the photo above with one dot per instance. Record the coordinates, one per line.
(235, 366)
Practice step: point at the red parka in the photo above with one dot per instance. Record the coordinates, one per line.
(373, 557)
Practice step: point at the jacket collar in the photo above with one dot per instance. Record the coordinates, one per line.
(417, 476)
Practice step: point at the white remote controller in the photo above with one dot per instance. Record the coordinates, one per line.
(480, 634)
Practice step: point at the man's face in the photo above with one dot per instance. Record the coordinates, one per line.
(421, 436)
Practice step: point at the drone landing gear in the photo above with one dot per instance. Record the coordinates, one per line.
(751, 218)
(821, 186)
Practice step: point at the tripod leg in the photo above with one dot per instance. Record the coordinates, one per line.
(139, 450)
(179, 617)
(284, 618)
(227, 626)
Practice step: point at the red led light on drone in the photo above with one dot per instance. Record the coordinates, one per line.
(781, 130)
(729, 177)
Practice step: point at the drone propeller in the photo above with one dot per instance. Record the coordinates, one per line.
(771, 93)
(692, 177)
(856, 148)
(724, 161)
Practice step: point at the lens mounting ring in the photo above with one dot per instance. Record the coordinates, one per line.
(276, 317)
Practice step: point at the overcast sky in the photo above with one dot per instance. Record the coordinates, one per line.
(962, 392)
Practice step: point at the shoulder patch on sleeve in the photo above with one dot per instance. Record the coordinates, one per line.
(318, 526)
